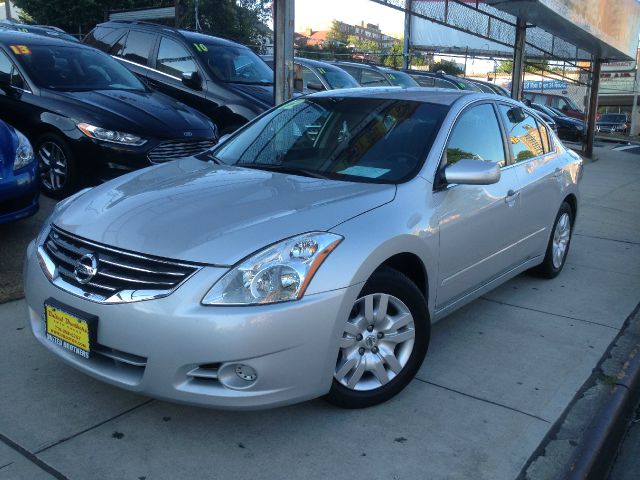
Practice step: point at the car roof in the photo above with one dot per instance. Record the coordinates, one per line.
(366, 66)
(441, 96)
(195, 37)
(8, 37)
(314, 63)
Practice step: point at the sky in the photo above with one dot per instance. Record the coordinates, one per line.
(317, 14)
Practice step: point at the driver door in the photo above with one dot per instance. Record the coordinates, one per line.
(477, 223)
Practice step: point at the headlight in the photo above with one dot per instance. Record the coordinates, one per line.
(24, 152)
(278, 273)
(111, 135)
(579, 127)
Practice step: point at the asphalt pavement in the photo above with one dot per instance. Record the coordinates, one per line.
(499, 373)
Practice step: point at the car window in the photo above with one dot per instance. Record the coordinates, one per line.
(544, 133)
(72, 68)
(337, 78)
(354, 72)
(401, 79)
(371, 78)
(442, 83)
(351, 139)
(138, 47)
(103, 38)
(424, 81)
(477, 136)
(5, 68)
(174, 59)
(523, 133)
(308, 77)
(234, 64)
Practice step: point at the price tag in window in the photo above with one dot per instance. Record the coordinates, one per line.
(20, 49)
(201, 47)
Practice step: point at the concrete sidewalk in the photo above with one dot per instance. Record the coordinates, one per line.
(498, 374)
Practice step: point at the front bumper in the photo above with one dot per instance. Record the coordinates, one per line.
(19, 195)
(155, 347)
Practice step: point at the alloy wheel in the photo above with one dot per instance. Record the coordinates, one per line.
(561, 236)
(376, 344)
(53, 166)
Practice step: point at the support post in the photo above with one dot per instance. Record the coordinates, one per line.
(283, 49)
(406, 62)
(633, 128)
(517, 73)
(7, 9)
(593, 107)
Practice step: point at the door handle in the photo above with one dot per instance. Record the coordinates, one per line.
(511, 197)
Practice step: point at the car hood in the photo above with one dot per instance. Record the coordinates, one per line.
(145, 113)
(200, 212)
(262, 93)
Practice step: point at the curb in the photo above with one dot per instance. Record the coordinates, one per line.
(595, 454)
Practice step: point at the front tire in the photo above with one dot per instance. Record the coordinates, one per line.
(384, 342)
(558, 247)
(58, 166)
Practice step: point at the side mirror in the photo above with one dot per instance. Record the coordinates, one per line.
(192, 80)
(472, 172)
(5, 82)
(317, 86)
(516, 114)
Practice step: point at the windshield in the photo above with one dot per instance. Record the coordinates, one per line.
(613, 118)
(235, 64)
(337, 78)
(74, 69)
(343, 138)
(401, 79)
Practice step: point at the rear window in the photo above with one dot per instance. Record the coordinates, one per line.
(103, 38)
(137, 47)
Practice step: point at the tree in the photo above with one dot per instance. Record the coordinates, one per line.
(336, 35)
(506, 66)
(393, 58)
(447, 66)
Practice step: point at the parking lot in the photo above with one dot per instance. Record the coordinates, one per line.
(499, 373)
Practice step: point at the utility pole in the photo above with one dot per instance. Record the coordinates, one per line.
(180, 11)
(7, 9)
(406, 62)
(634, 106)
(283, 49)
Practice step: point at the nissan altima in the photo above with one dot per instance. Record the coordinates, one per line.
(306, 255)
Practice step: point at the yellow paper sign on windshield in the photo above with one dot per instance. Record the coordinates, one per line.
(20, 49)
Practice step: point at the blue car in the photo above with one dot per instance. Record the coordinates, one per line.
(18, 176)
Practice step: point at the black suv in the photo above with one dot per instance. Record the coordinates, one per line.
(88, 117)
(224, 80)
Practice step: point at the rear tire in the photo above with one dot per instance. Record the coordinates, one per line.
(384, 342)
(59, 176)
(558, 247)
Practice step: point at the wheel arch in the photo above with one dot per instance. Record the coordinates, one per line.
(410, 265)
(572, 200)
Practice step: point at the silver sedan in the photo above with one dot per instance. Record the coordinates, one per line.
(308, 254)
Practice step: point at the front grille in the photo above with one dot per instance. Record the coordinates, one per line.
(121, 275)
(171, 150)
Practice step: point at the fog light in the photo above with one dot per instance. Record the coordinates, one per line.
(237, 376)
(246, 373)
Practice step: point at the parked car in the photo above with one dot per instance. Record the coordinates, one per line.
(443, 80)
(88, 117)
(224, 80)
(317, 76)
(489, 87)
(612, 123)
(44, 30)
(568, 128)
(18, 176)
(561, 102)
(345, 223)
(369, 75)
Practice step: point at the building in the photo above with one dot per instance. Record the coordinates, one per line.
(363, 32)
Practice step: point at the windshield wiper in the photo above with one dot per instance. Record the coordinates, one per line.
(285, 169)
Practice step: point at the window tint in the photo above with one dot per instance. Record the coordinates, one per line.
(234, 64)
(138, 47)
(371, 78)
(524, 136)
(5, 67)
(103, 38)
(477, 136)
(309, 77)
(441, 83)
(425, 81)
(354, 72)
(174, 59)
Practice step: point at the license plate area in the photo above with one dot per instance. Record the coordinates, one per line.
(70, 328)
